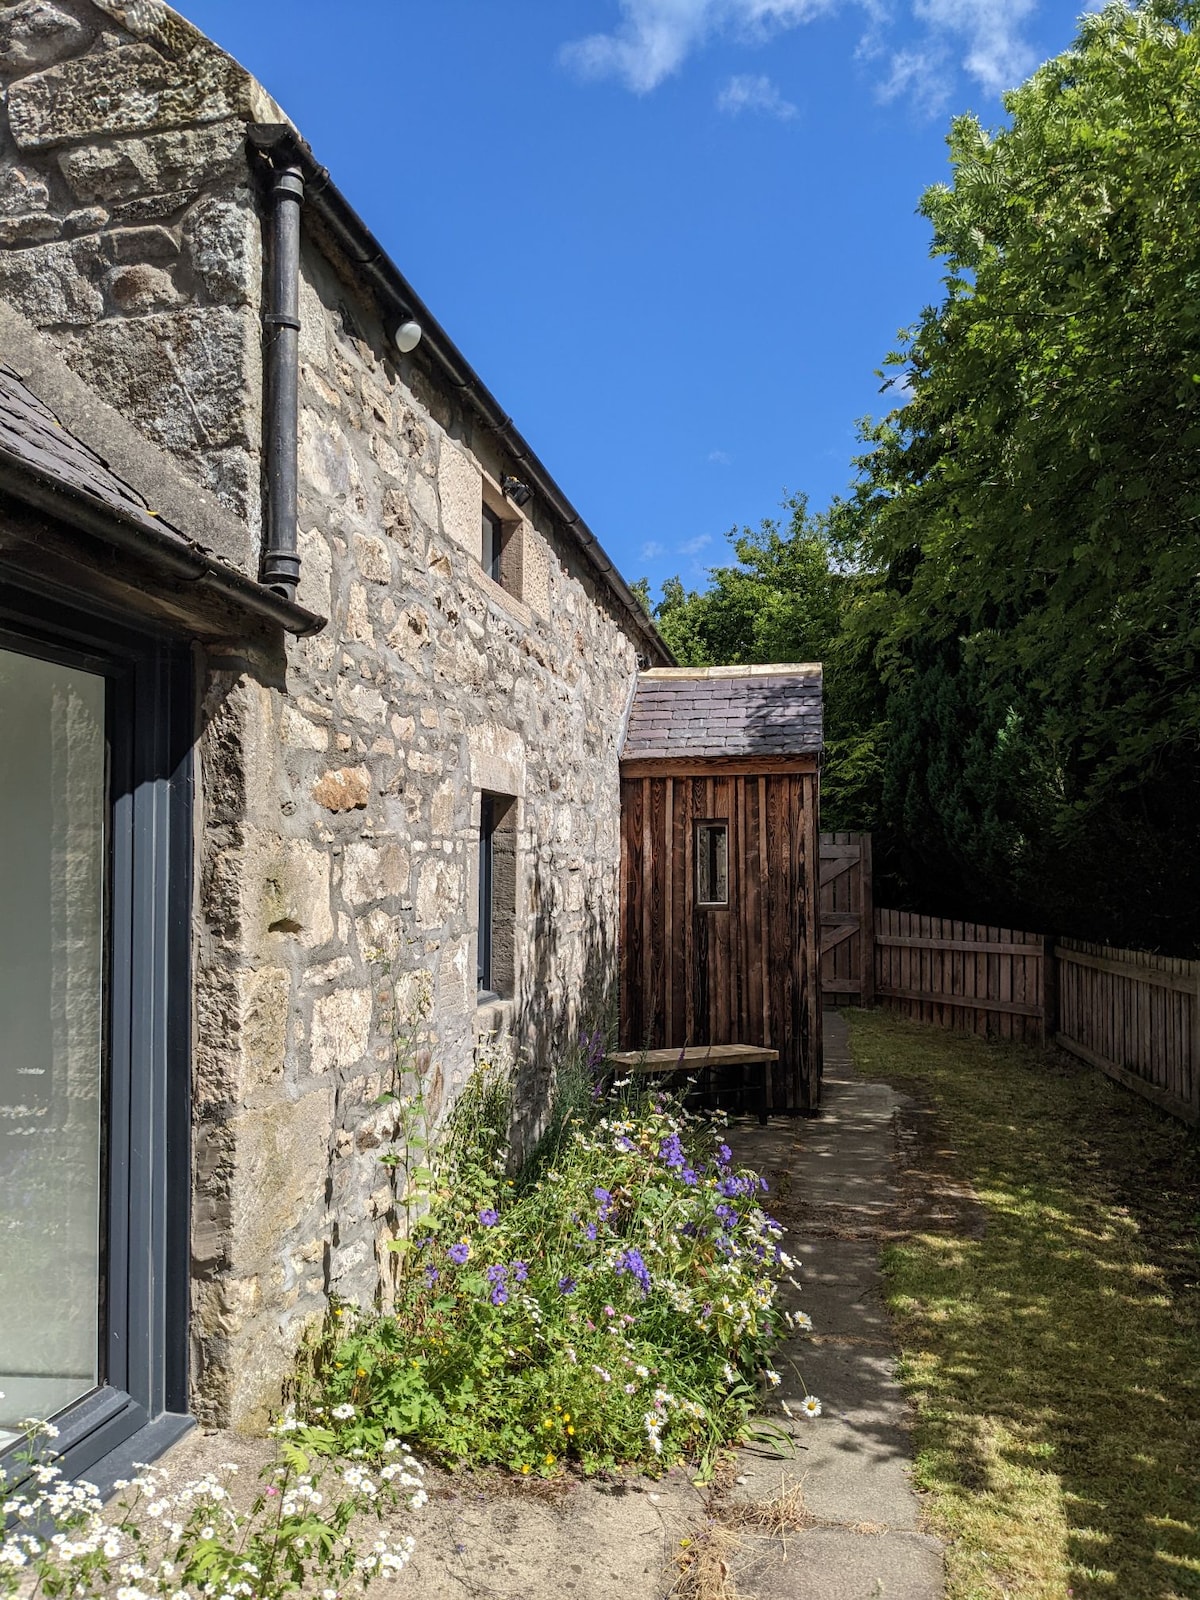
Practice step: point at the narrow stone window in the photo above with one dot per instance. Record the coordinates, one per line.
(497, 926)
(493, 545)
(502, 541)
(712, 863)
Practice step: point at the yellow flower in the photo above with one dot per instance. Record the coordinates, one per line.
(362, 1372)
(547, 1422)
(549, 1461)
(566, 1416)
(526, 1467)
(571, 1431)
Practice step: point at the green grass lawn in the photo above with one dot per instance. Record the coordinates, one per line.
(1050, 1335)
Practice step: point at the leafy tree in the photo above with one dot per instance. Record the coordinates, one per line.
(1026, 524)
(783, 599)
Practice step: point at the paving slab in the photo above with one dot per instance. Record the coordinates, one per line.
(852, 1465)
(840, 1564)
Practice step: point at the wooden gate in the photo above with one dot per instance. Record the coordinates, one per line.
(847, 920)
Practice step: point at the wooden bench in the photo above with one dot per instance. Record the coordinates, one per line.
(697, 1057)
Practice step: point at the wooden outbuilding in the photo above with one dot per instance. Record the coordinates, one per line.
(720, 902)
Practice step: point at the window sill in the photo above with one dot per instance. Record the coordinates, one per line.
(498, 595)
(494, 1016)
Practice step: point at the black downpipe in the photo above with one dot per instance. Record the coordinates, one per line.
(281, 349)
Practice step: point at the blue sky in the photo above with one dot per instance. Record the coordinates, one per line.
(675, 237)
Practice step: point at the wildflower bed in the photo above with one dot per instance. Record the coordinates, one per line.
(613, 1304)
(303, 1526)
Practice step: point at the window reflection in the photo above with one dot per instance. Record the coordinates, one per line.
(52, 837)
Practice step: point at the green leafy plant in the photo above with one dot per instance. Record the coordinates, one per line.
(613, 1303)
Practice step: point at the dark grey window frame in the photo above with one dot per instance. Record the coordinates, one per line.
(487, 909)
(140, 1406)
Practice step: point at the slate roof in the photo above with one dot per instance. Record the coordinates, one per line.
(32, 436)
(680, 712)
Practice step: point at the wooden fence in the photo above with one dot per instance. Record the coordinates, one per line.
(1136, 1016)
(964, 975)
(847, 919)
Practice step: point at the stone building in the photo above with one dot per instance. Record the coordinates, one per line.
(267, 813)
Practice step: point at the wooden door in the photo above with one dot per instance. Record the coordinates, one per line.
(847, 920)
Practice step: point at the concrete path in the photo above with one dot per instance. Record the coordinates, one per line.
(835, 1176)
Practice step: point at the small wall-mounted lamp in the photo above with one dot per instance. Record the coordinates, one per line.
(519, 493)
(407, 336)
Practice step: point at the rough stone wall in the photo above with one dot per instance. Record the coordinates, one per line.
(340, 775)
(126, 229)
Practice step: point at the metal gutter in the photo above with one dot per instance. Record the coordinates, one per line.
(279, 141)
(136, 533)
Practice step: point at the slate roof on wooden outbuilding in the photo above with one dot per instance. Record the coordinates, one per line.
(682, 712)
(32, 436)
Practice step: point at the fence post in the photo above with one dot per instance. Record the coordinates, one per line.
(866, 993)
(1049, 990)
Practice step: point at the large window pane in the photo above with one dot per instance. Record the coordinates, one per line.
(52, 822)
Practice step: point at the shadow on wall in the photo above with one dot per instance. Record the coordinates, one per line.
(568, 987)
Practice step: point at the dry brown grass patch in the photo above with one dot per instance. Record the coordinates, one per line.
(705, 1563)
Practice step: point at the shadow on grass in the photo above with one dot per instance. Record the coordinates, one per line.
(1054, 1352)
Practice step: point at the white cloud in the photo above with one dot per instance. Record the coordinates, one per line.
(693, 547)
(720, 458)
(749, 93)
(996, 55)
(654, 38)
(923, 79)
(650, 551)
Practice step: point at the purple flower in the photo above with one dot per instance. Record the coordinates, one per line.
(488, 1218)
(431, 1276)
(499, 1295)
(520, 1270)
(631, 1261)
(458, 1253)
(731, 1187)
(724, 1154)
(605, 1201)
(689, 1176)
(590, 1230)
(496, 1273)
(727, 1216)
(623, 1144)
(670, 1151)
(567, 1286)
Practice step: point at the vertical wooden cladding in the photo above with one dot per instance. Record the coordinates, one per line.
(743, 973)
